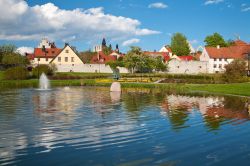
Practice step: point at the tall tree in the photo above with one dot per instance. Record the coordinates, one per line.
(179, 45)
(215, 40)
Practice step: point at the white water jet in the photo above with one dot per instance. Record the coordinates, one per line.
(44, 83)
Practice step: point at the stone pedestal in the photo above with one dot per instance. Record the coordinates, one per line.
(115, 87)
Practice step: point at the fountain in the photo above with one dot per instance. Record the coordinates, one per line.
(44, 83)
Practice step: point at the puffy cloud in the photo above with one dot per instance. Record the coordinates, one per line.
(211, 2)
(158, 5)
(23, 50)
(19, 21)
(130, 42)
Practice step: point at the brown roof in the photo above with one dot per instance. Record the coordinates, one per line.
(237, 51)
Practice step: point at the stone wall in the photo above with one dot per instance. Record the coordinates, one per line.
(187, 67)
(88, 68)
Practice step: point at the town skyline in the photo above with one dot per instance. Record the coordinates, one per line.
(148, 24)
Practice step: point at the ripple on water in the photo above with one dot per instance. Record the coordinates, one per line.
(146, 128)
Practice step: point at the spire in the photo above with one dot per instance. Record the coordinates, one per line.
(103, 42)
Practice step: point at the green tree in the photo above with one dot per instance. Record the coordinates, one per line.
(179, 45)
(235, 71)
(215, 40)
(14, 59)
(160, 65)
(107, 50)
(16, 73)
(6, 49)
(46, 69)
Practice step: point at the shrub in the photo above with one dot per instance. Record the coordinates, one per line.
(235, 71)
(16, 73)
(38, 70)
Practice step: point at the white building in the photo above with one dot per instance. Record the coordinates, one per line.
(218, 57)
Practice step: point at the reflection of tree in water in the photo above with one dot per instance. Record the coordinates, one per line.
(178, 117)
(138, 100)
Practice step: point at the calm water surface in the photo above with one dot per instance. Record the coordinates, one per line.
(91, 126)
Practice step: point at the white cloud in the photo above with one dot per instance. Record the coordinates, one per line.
(158, 5)
(211, 2)
(19, 21)
(130, 42)
(23, 50)
(245, 9)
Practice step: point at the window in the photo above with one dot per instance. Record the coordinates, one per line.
(73, 65)
(215, 65)
(47, 59)
(214, 59)
(226, 59)
(53, 52)
(59, 59)
(200, 67)
(66, 51)
(220, 59)
(38, 59)
(220, 66)
(72, 59)
(66, 59)
(178, 67)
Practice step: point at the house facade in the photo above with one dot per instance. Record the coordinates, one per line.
(218, 57)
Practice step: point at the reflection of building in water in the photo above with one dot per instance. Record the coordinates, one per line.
(214, 109)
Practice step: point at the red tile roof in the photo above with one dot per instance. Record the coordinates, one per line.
(232, 52)
(49, 53)
(186, 58)
(101, 58)
(240, 43)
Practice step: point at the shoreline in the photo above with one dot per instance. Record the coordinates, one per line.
(238, 89)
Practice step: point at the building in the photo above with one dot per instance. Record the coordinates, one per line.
(44, 53)
(218, 57)
(67, 59)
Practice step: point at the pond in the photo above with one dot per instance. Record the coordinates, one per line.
(91, 126)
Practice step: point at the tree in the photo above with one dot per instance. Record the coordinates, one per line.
(179, 45)
(160, 65)
(235, 71)
(16, 73)
(14, 59)
(107, 50)
(86, 56)
(136, 60)
(215, 40)
(6, 49)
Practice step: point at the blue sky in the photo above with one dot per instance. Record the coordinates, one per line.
(145, 23)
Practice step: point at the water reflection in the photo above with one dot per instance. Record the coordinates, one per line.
(92, 122)
(215, 110)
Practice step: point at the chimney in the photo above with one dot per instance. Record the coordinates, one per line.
(218, 46)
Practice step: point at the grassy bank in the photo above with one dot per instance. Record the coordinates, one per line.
(242, 89)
